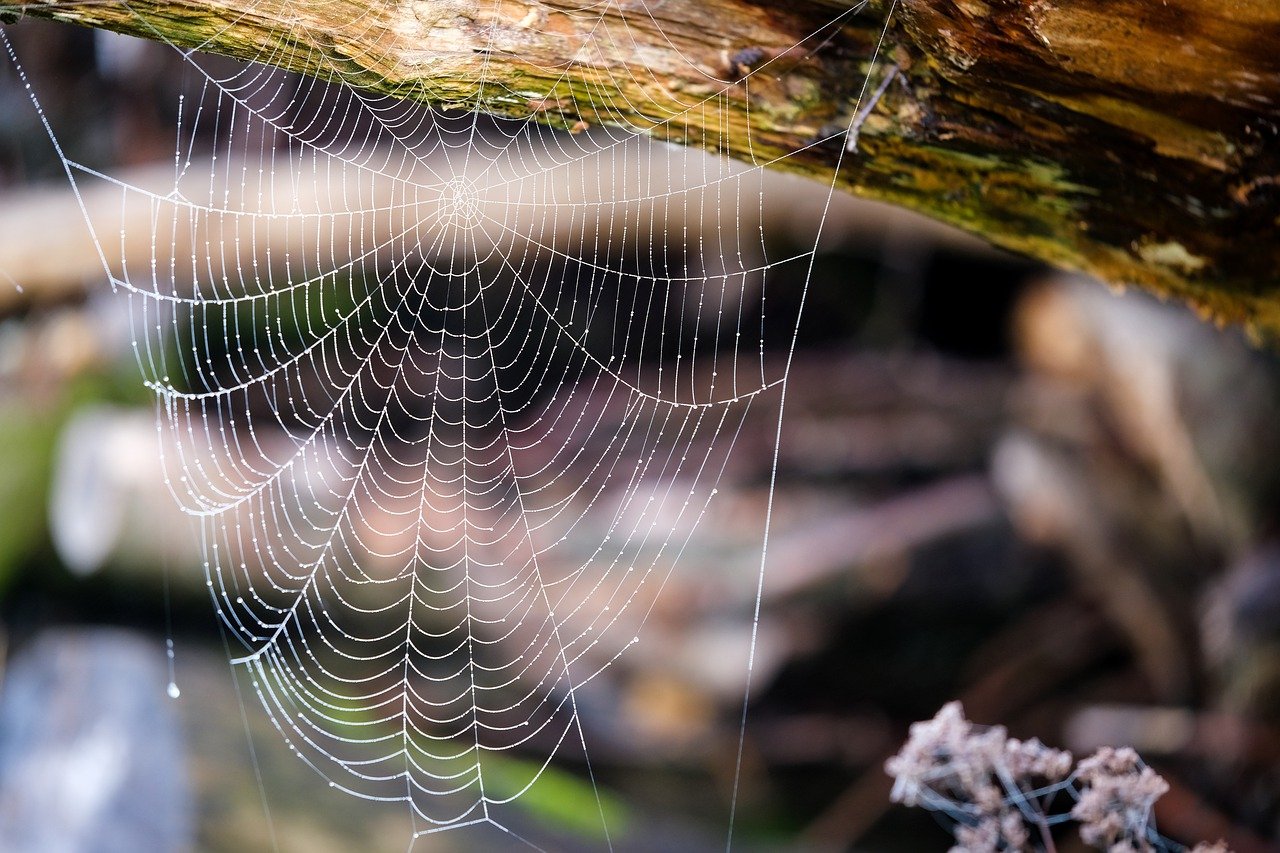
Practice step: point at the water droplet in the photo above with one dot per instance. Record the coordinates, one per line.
(174, 692)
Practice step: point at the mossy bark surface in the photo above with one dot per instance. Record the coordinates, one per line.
(1137, 140)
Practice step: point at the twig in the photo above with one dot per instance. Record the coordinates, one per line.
(858, 120)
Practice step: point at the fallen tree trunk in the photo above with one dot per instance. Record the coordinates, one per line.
(1137, 140)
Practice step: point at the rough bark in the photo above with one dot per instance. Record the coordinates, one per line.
(1138, 140)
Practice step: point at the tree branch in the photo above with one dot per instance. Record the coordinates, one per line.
(1138, 140)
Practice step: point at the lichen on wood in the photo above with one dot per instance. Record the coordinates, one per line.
(1133, 139)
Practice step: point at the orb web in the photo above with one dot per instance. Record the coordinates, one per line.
(448, 396)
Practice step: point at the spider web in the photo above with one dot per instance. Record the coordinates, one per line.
(448, 397)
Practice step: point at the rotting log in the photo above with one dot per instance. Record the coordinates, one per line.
(1137, 140)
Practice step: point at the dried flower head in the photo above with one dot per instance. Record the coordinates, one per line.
(979, 775)
(1117, 792)
(999, 790)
